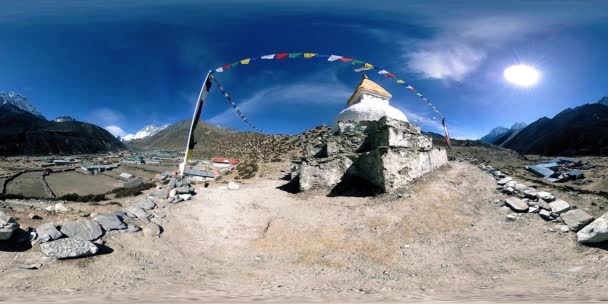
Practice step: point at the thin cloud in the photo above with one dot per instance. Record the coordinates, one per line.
(107, 116)
(116, 130)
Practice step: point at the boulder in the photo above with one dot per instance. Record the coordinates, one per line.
(516, 204)
(508, 190)
(159, 194)
(34, 216)
(183, 190)
(68, 248)
(48, 232)
(559, 206)
(172, 183)
(146, 204)
(82, 229)
(185, 196)
(576, 219)
(173, 193)
(152, 229)
(546, 196)
(531, 194)
(8, 226)
(595, 232)
(110, 222)
(61, 208)
(511, 184)
(24, 235)
(504, 181)
(545, 215)
(137, 212)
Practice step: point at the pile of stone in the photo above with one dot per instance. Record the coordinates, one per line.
(386, 154)
(527, 199)
(82, 237)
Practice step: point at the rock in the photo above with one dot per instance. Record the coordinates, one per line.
(30, 266)
(152, 229)
(576, 219)
(50, 208)
(34, 216)
(24, 235)
(131, 228)
(86, 230)
(233, 186)
(146, 204)
(511, 217)
(159, 194)
(172, 183)
(172, 193)
(543, 205)
(516, 204)
(110, 222)
(183, 190)
(61, 208)
(8, 226)
(595, 232)
(68, 248)
(546, 196)
(511, 184)
(185, 196)
(156, 220)
(137, 212)
(545, 215)
(504, 181)
(508, 190)
(559, 206)
(120, 214)
(533, 209)
(564, 228)
(48, 232)
(531, 194)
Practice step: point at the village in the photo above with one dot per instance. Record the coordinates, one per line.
(94, 175)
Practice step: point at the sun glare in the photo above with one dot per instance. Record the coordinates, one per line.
(522, 75)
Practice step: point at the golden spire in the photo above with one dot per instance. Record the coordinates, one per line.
(370, 87)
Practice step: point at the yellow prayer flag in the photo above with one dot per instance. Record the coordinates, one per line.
(309, 55)
(245, 61)
(400, 81)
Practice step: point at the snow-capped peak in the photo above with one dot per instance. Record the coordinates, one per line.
(19, 101)
(147, 131)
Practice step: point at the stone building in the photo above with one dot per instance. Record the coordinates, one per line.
(372, 144)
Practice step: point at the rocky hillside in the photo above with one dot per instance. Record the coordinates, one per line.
(214, 141)
(24, 133)
(579, 131)
(20, 102)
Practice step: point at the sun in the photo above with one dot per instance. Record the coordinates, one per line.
(522, 75)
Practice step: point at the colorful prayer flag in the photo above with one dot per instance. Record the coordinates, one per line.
(245, 61)
(282, 56)
(333, 58)
(309, 55)
(271, 56)
(346, 59)
(294, 55)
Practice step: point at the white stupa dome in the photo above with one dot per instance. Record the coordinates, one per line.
(369, 102)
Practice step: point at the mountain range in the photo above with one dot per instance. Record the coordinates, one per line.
(26, 132)
(579, 131)
(146, 131)
(501, 134)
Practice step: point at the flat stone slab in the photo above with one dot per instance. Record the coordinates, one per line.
(546, 196)
(146, 204)
(516, 204)
(596, 232)
(110, 222)
(48, 232)
(559, 206)
(504, 181)
(152, 229)
(68, 248)
(86, 230)
(576, 219)
(137, 212)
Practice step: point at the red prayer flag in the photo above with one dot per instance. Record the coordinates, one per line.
(282, 55)
(389, 75)
(346, 59)
(226, 66)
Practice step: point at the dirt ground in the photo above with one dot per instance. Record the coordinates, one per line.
(75, 182)
(445, 239)
(28, 184)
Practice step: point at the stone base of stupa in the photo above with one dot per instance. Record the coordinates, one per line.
(385, 155)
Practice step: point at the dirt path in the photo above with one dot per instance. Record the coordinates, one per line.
(445, 239)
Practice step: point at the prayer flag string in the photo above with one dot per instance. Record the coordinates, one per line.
(233, 104)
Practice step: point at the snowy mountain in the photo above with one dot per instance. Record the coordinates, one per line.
(500, 134)
(19, 101)
(147, 131)
(64, 119)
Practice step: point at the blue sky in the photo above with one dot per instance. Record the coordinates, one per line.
(127, 64)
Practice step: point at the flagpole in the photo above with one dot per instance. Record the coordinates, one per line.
(195, 117)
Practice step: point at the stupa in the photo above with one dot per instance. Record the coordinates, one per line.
(369, 101)
(372, 145)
